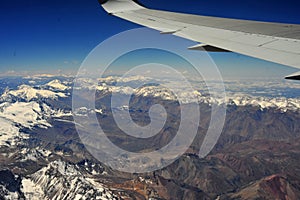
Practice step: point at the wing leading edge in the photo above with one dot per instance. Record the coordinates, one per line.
(275, 42)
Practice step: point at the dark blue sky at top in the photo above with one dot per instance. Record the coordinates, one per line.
(58, 34)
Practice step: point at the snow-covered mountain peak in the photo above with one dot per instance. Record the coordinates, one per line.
(155, 91)
(13, 116)
(238, 99)
(28, 93)
(25, 113)
(57, 85)
(280, 103)
(65, 182)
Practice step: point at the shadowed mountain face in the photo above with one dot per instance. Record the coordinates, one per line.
(42, 156)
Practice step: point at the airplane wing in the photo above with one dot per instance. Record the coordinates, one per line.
(275, 42)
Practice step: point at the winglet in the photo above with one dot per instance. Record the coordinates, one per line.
(116, 6)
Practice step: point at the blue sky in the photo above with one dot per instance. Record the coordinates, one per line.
(58, 34)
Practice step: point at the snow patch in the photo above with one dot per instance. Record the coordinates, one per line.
(31, 190)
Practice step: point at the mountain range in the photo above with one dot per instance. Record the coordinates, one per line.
(43, 157)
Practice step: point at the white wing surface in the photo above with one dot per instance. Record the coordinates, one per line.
(275, 42)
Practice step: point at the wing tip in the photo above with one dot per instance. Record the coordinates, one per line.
(115, 6)
(105, 1)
